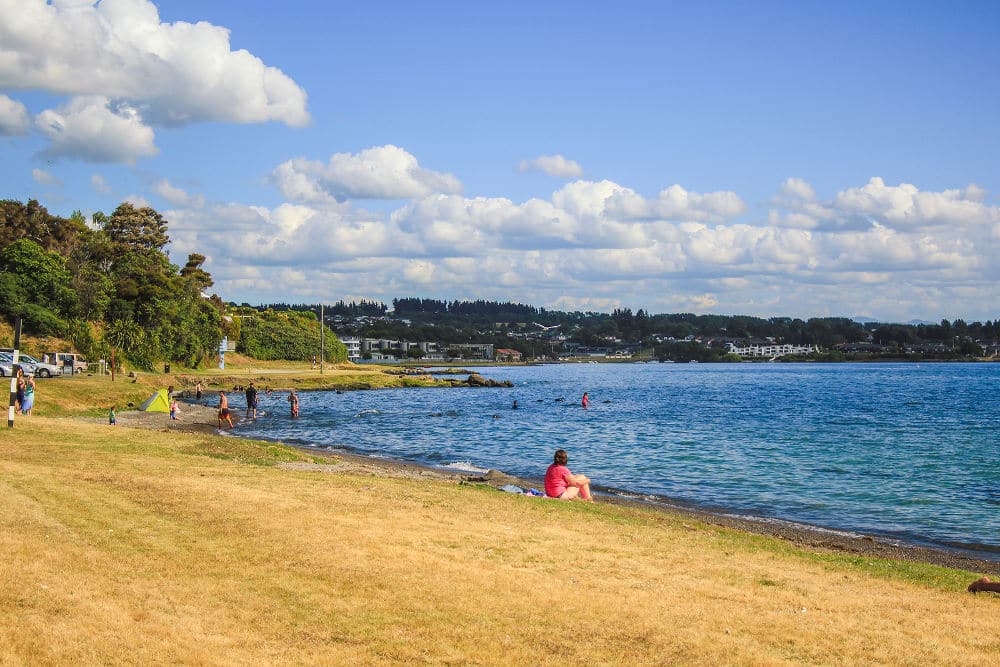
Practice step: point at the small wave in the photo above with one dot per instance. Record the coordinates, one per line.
(370, 411)
(635, 496)
(466, 466)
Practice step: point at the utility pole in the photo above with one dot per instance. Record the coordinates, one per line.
(13, 374)
(322, 341)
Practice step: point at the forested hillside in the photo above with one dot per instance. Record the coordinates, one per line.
(110, 286)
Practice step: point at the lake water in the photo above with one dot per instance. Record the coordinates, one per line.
(905, 451)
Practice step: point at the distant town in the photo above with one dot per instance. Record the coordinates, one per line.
(439, 331)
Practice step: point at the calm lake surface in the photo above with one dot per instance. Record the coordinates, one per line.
(905, 451)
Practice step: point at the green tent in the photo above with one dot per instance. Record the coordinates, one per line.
(158, 402)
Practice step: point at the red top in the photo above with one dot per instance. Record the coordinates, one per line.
(556, 480)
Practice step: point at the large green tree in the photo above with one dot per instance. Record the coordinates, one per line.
(35, 285)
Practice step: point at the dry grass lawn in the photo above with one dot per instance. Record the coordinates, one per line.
(143, 547)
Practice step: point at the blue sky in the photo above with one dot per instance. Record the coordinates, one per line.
(755, 158)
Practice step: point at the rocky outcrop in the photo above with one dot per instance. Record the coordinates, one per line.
(477, 380)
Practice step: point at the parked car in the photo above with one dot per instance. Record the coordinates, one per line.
(42, 369)
(7, 365)
(30, 364)
(73, 359)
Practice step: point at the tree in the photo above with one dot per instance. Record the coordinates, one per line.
(137, 229)
(124, 335)
(193, 272)
(35, 285)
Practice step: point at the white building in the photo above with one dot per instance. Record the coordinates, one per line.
(769, 350)
(353, 345)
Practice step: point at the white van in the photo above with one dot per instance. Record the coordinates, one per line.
(64, 359)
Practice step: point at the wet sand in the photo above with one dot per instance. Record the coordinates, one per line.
(204, 419)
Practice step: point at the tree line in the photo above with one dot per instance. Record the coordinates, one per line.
(452, 322)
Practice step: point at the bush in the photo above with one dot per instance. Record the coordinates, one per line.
(294, 336)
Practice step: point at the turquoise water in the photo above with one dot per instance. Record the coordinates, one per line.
(905, 451)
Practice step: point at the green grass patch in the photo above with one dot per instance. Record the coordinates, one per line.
(925, 574)
(252, 452)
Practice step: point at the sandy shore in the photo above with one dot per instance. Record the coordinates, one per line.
(203, 419)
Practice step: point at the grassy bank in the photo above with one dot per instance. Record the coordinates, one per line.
(132, 546)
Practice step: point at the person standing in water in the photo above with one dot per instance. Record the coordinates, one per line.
(251, 401)
(293, 402)
(586, 400)
(224, 410)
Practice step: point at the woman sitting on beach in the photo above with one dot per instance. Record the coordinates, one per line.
(561, 483)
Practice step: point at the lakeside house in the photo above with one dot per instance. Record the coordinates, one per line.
(504, 354)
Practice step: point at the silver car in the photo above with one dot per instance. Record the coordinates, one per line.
(7, 365)
(42, 369)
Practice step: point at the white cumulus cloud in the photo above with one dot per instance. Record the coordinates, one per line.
(553, 165)
(44, 178)
(14, 119)
(93, 130)
(902, 207)
(175, 73)
(177, 196)
(600, 244)
(676, 203)
(905, 206)
(382, 172)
